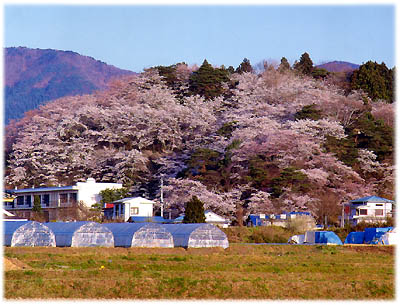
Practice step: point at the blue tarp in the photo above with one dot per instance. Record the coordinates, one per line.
(372, 235)
(327, 237)
(255, 220)
(355, 238)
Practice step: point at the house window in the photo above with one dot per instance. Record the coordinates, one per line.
(73, 197)
(134, 211)
(64, 198)
(363, 212)
(379, 212)
(20, 200)
(46, 200)
(29, 200)
(379, 204)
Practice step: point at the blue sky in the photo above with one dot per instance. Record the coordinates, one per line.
(135, 37)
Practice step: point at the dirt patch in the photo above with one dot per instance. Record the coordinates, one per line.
(14, 264)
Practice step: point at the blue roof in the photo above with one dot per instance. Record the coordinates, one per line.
(154, 219)
(372, 199)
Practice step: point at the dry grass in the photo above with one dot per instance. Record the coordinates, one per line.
(239, 272)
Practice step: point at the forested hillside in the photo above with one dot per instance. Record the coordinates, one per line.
(282, 140)
(36, 76)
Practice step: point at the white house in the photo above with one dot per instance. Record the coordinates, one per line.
(133, 206)
(368, 209)
(211, 218)
(54, 198)
(215, 219)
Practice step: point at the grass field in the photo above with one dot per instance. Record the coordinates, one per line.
(239, 272)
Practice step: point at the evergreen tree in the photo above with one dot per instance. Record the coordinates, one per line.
(207, 81)
(309, 112)
(194, 211)
(375, 79)
(305, 65)
(36, 204)
(245, 66)
(284, 65)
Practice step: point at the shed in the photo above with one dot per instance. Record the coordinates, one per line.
(355, 238)
(81, 234)
(389, 238)
(28, 234)
(322, 237)
(197, 235)
(296, 239)
(148, 235)
(372, 235)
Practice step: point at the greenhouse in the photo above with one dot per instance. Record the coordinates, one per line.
(28, 234)
(149, 235)
(81, 234)
(197, 235)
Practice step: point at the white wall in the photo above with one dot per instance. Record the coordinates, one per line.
(88, 191)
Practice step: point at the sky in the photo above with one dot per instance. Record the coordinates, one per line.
(135, 37)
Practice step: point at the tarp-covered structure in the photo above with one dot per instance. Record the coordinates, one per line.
(389, 238)
(322, 237)
(354, 238)
(197, 235)
(297, 239)
(149, 235)
(81, 234)
(372, 235)
(28, 234)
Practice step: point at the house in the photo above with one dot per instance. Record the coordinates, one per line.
(53, 199)
(211, 218)
(125, 208)
(281, 220)
(215, 219)
(367, 209)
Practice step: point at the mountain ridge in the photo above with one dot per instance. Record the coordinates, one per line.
(338, 66)
(35, 76)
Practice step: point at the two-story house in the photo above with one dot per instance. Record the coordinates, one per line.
(368, 209)
(53, 199)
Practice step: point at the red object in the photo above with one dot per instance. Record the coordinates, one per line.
(347, 209)
(109, 205)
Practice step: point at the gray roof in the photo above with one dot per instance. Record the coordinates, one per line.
(45, 189)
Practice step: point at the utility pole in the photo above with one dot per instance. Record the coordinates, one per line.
(162, 197)
(342, 220)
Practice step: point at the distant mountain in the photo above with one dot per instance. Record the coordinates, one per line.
(36, 76)
(339, 66)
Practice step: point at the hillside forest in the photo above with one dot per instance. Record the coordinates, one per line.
(284, 138)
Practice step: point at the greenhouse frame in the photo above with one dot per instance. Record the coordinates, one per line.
(197, 235)
(81, 234)
(28, 234)
(149, 235)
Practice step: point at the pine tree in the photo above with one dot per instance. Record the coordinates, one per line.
(194, 211)
(284, 65)
(36, 204)
(375, 79)
(305, 65)
(245, 66)
(207, 81)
